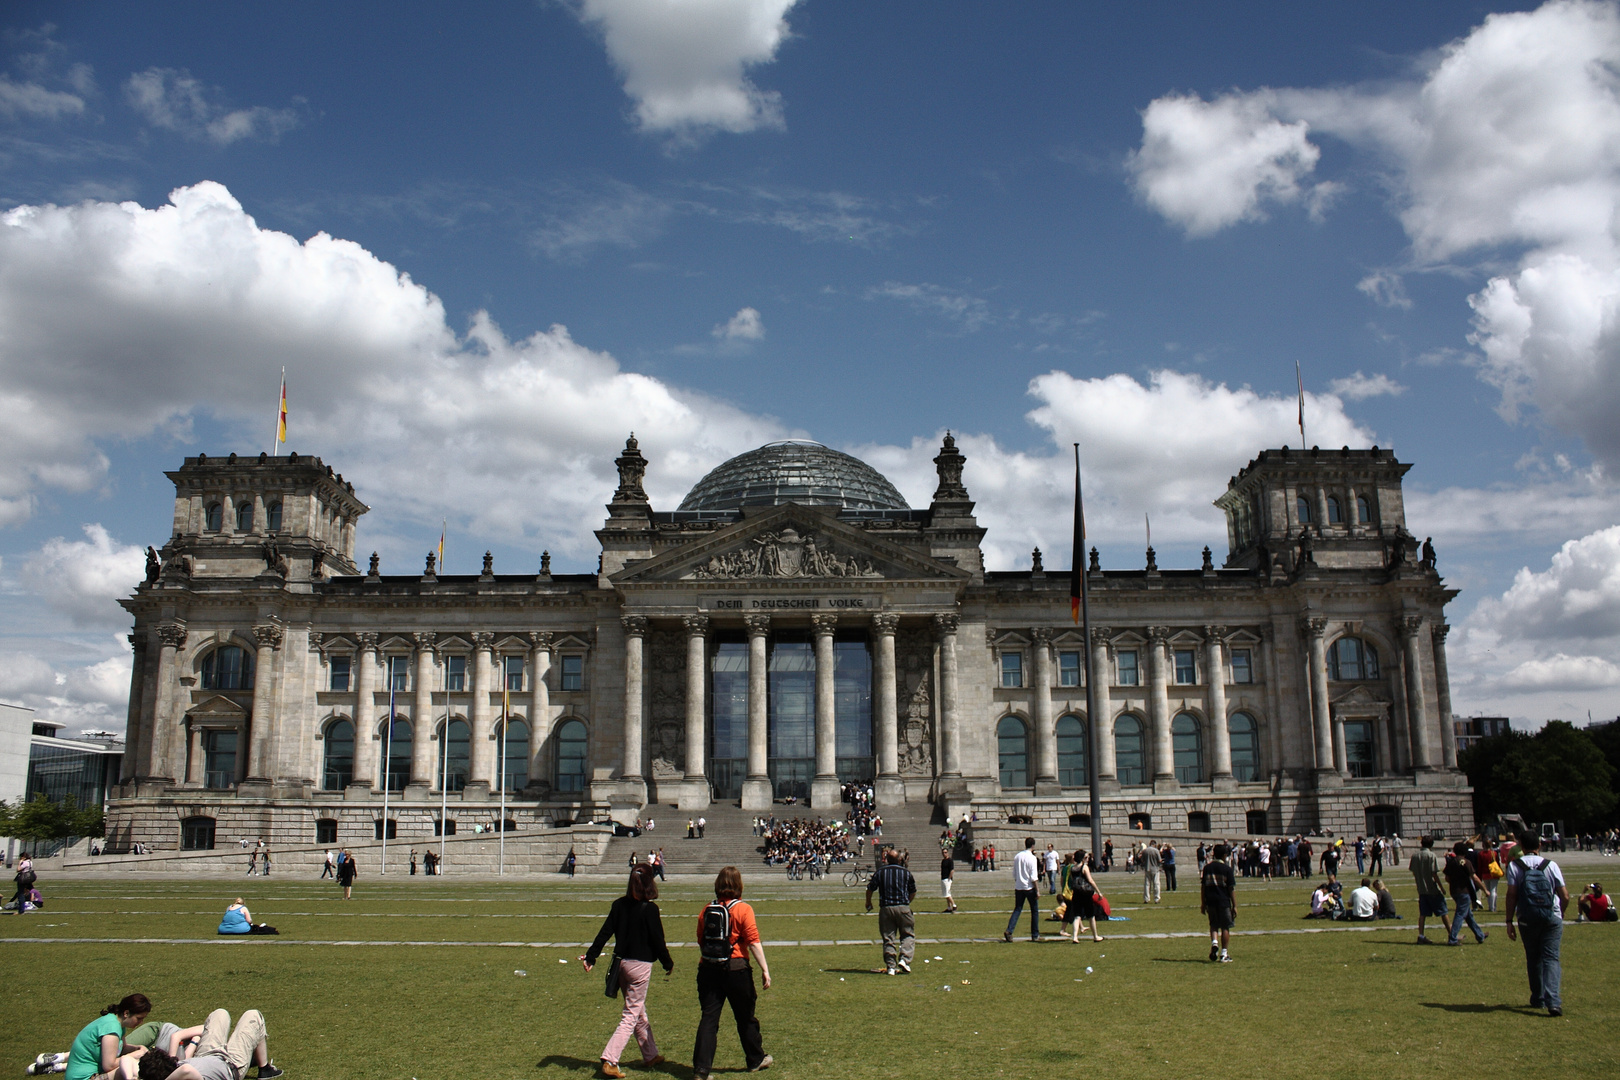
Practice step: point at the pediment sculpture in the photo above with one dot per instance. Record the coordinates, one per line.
(784, 554)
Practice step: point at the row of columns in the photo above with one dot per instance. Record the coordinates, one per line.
(757, 785)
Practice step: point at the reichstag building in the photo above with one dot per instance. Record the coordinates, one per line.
(792, 626)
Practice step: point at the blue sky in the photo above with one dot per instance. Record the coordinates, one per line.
(487, 241)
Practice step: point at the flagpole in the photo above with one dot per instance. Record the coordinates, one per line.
(279, 435)
(444, 771)
(1299, 378)
(388, 761)
(506, 714)
(1094, 727)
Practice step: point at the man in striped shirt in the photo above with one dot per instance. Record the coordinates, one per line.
(895, 888)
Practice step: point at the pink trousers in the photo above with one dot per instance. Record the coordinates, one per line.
(633, 978)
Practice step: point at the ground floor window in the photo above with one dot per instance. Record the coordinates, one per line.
(1255, 823)
(197, 834)
(1129, 759)
(572, 744)
(1245, 736)
(1141, 821)
(446, 828)
(1383, 820)
(1198, 821)
(1071, 753)
(326, 831)
(377, 826)
(1012, 740)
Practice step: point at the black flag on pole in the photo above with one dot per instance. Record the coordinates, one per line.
(1079, 554)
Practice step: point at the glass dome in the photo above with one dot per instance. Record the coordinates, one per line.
(794, 471)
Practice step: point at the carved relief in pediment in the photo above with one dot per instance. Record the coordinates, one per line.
(783, 554)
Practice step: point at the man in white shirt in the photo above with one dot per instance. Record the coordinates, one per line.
(1051, 869)
(1363, 901)
(1150, 874)
(1537, 894)
(1026, 878)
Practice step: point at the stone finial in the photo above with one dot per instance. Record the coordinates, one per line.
(1096, 562)
(432, 566)
(949, 466)
(376, 564)
(489, 564)
(545, 564)
(632, 469)
(1209, 560)
(1035, 566)
(1152, 561)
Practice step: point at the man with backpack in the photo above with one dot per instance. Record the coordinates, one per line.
(1536, 893)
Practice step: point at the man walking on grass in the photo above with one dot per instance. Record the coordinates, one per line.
(1431, 890)
(1151, 864)
(1026, 889)
(896, 888)
(1218, 900)
(1537, 894)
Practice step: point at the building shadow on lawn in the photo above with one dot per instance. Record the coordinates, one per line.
(1480, 1007)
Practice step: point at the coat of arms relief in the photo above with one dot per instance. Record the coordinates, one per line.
(783, 554)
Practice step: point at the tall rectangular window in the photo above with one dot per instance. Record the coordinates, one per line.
(399, 673)
(1012, 670)
(1069, 669)
(340, 674)
(513, 667)
(573, 673)
(1242, 666)
(1126, 662)
(1186, 668)
(219, 759)
(455, 674)
(852, 708)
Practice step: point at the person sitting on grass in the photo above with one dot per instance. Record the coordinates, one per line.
(1363, 902)
(1595, 905)
(1386, 900)
(1324, 905)
(222, 1054)
(97, 1052)
(239, 920)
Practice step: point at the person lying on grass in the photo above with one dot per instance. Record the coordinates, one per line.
(222, 1054)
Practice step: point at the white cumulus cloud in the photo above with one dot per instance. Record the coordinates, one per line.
(85, 578)
(746, 325)
(175, 101)
(685, 63)
(1359, 387)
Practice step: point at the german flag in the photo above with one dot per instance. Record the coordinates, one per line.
(1077, 559)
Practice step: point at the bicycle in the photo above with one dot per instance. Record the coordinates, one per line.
(858, 876)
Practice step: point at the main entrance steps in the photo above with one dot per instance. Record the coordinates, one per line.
(729, 840)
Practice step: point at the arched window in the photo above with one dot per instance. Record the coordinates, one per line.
(1245, 735)
(1012, 744)
(515, 770)
(572, 743)
(272, 517)
(1187, 747)
(1129, 763)
(396, 767)
(1071, 751)
(197, 834)
(1304, 506)
(228, 668)
(213, 517)
(1351, 658)
(454, 756)
(244, 516)
(1335, 515)
(339, 756)
(1363, 510)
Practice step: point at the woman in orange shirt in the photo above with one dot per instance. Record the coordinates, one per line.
(727, 937)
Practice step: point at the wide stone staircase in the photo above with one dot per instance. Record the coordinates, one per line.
(728, 839)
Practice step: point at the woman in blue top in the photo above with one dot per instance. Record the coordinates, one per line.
(239, 920)
(96, 1049)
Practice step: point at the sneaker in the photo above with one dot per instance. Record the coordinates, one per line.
(612, 1071)
(905, 968)
(1553, 1010)
(1225, 959)
(764, 1063)
(1007, 936)
(1422, 940)
(268, 1070)
(891, 971)
(1214, 952)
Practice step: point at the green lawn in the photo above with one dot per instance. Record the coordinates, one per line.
(1339, 1003)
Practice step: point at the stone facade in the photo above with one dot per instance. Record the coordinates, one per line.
(792, 627)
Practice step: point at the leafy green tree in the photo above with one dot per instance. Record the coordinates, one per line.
(1607, 739)
(1560, 775)
(1492, 795)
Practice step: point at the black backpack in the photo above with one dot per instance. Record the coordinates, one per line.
(715, 941)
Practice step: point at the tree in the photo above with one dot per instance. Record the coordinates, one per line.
(42, 819)
(1559, 774)
(1492, 796)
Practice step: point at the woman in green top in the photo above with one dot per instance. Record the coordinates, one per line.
(97, 1051)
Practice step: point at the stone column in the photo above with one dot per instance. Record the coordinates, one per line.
(1442, 693)
(695, 791)
(756, 790)
(1341, 757)
(539, 704)
(1327, 774)
(194, 763)
(365, 720)
(1046, 763)
(425, 756)
(480, 759)
(1164, 772)
(889, 789)
(1100, 676)
(137, 732)
(945, 627)
(1417, 708)
(824, 786)
(635, 637)
(166, 731)
(1220, 737)
(259, 766)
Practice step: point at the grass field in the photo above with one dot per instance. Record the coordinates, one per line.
(414, 978)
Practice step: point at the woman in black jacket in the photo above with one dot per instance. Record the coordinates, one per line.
(638, 932)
